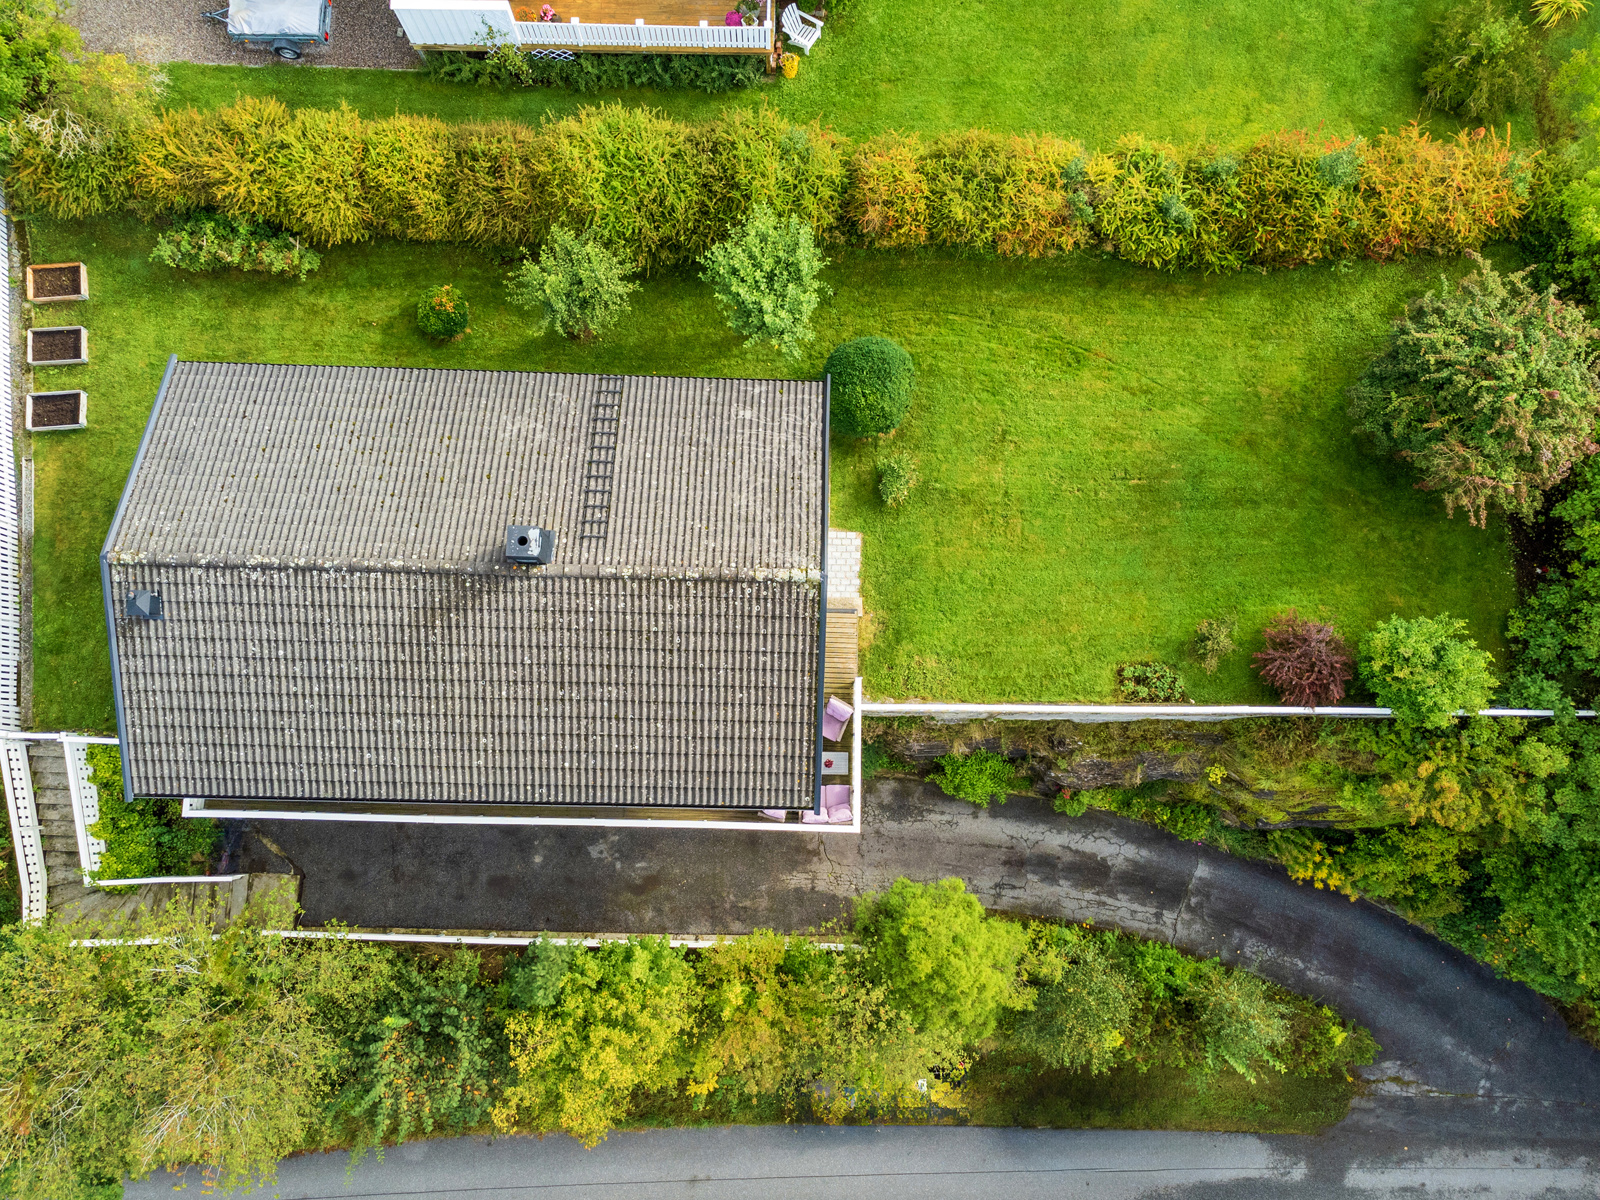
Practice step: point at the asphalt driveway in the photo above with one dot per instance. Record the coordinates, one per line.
(1446, 1024)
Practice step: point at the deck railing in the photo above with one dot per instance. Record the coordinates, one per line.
(573, 35)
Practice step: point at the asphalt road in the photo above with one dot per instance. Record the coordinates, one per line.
(1446, 1024)
(909, 1163)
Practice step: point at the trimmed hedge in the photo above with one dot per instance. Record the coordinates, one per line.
(657, 191)
(871, 390)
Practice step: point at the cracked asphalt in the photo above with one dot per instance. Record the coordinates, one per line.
(1447, 1026)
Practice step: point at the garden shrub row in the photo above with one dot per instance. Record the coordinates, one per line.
(237, 1050)
(660, 191)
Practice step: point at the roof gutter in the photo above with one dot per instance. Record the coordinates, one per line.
(105, 577)
(822, 605)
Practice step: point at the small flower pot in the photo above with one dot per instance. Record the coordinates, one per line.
(749, 21)
(57, 410)
(55, 283)
(61, 346)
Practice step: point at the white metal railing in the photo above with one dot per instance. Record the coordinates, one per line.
(639, 36)
(1106, 713)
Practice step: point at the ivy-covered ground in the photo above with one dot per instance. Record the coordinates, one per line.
(1109, 454)
(1190, 70)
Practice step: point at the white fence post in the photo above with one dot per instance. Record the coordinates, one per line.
(855, 756)
(85, 805)
(24, 819)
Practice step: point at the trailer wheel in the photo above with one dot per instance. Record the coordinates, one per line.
(286, 50)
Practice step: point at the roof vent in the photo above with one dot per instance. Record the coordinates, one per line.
(529, 544)
(144, 605)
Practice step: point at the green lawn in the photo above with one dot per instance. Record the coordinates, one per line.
(1110, 454)
(1185, 70)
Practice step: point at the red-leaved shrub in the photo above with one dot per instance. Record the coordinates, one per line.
(1307, 662)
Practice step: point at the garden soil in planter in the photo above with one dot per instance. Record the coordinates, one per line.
(63, 345)
(58, 281)
(55, 410)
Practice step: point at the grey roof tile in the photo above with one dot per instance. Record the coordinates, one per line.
(340, 622)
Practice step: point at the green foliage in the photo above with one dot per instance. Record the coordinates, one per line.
(1152, 802)
(1151, 683)
(871, 386)
(534, 978)
(1083, 1003)
(943, 963)
(619, 1025)
(1482, 61)
(978, 777)
(897, 475)
(576, 284)
(1556, 630)
(1105, 999)
(151, 836)
(765, 273)
(443, 314)
(190, 1048)
(205, 241)
(588, 73)
(428, 1057)
(1213, 641)
(1426, 668)
(1488, 389)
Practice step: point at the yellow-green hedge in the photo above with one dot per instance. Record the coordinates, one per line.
(659, 190)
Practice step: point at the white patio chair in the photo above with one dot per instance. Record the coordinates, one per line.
(801, 28)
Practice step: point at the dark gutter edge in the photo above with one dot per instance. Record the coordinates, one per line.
(822, 597)
(105, 576)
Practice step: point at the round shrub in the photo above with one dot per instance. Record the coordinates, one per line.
(1426, 669)
(443, 314)
(871, 386)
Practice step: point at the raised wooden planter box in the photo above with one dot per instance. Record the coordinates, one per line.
(50, 283)
(57, 410)
(60, 346)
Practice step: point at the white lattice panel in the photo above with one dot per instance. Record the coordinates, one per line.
(85, 804)
(24, 826)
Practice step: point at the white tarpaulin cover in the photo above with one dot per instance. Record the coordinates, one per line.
(274, 18)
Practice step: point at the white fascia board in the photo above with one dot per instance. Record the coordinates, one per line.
(199, 807)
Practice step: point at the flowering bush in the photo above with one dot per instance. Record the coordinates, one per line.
(443, 314)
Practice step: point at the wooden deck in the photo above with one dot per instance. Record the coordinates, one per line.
(843, 648)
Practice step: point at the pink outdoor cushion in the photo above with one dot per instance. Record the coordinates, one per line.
(836, 801)
(775, 814)
(733, 18)
(834, 717)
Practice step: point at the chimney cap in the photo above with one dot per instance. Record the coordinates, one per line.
(530, 544)
(146, 606)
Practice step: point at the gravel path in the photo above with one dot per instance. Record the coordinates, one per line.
(159, 31)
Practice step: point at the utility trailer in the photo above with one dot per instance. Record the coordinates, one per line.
(288, 28)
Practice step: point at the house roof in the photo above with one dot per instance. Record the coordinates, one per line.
(340, 621)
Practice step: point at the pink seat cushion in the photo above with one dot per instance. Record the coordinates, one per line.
(775, 814)
(836, 802)
(833, 718)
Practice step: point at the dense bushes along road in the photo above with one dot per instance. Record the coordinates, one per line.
(660, 191)
(236, 1051)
